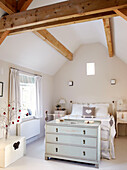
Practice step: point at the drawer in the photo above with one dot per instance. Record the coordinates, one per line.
(68, 139)
(71, 151)
(72, 130)
(58, 114)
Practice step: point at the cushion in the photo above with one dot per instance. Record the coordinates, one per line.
(77, 109)
(101, 110)
(89, 111)
(29, 111)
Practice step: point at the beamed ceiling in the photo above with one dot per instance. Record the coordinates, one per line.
(48, 34)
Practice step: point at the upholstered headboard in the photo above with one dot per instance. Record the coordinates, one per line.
(109, 105)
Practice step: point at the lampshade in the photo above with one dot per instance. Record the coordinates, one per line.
(62, 101)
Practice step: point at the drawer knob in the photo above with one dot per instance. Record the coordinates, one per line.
(84, 141)
(84, 153)
(84, 132)
(56, 138)
(56, 149)
(56, 129)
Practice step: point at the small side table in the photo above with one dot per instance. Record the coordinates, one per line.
(11, 150)
(59, 113)
(121, 118)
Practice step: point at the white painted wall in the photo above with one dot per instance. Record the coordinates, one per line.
(91, 88)
(47, 88)
(86, 88)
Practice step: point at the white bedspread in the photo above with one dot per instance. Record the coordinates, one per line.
(107, 132)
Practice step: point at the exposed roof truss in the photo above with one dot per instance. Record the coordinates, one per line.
(63, 13)
(22, 5)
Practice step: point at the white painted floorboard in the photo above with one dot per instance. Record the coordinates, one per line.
(34, 159)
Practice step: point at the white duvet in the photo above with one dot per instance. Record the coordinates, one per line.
(107, 134)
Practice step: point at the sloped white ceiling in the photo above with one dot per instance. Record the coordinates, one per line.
(120, 38)
(75, 35)
(30, 51)
(39, 3)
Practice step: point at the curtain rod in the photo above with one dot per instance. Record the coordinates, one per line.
(25, 72)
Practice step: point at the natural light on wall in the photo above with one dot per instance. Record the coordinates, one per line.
(90, 69)
(27, 95)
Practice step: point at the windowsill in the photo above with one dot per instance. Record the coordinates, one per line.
(28, 118)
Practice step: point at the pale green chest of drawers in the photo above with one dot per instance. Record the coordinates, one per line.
(73, 140)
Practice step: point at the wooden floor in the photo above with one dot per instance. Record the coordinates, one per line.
(34, 159)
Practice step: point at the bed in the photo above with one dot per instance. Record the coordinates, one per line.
(107, 125)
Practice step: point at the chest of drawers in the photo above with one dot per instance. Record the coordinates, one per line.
(73, 140)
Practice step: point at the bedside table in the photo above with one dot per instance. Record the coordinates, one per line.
(121, 118)
(59, 113)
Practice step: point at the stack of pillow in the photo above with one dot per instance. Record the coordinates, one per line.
(91, 110)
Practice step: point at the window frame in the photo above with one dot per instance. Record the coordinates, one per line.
(28, 84)
(90, 71)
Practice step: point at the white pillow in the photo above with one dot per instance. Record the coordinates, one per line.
(101, 110)
(77, 109)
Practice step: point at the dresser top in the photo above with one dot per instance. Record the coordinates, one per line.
(121, 110)
(71, 122)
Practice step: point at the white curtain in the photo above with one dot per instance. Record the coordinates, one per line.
(25, 78)
(14, 91)
(14, 94)
(39, 109)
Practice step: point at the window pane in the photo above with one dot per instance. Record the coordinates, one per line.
(90, 68)
(28, 95)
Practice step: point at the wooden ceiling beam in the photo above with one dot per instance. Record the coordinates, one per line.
(8, 6)
(122, 13)
(59, 12)
(23, 5)
(3, 36)
(45, 35)
(52, 41)
(65, 22)
(107, 28)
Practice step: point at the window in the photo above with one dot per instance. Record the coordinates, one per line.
(90, 68)
(28, 95)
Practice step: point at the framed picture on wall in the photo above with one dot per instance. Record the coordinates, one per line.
(1, 89)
